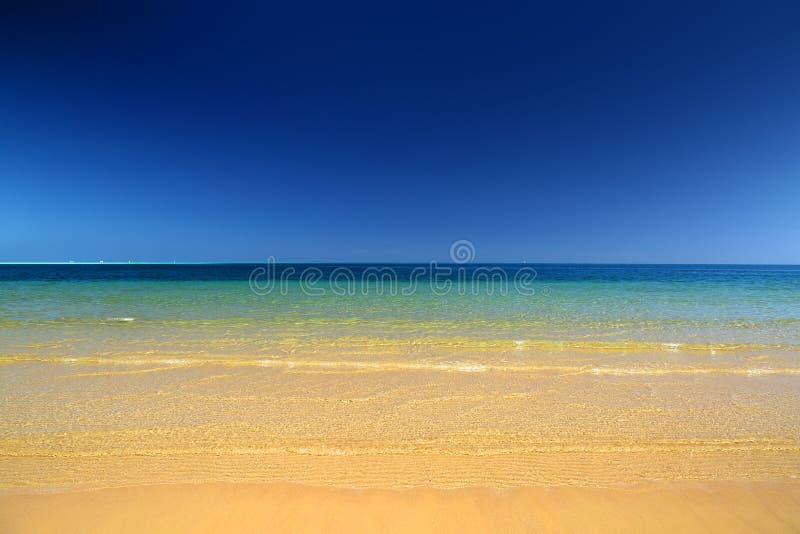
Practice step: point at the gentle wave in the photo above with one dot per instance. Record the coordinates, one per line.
(544, 321)
(384, 366)
(453, 343)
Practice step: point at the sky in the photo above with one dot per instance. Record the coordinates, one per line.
(641, 132)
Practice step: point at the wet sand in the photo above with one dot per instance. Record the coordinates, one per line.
(665, 507)
(511, 440)
(92, 425)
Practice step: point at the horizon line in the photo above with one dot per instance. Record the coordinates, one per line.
(103, 262)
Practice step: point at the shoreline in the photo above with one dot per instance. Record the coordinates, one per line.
(591, 468)
(401, 436)
(731, 506)
(89, 426)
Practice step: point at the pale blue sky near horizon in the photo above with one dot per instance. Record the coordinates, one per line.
(604, 133)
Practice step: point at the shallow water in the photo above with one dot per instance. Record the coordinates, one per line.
(88, 310)
(119, 374)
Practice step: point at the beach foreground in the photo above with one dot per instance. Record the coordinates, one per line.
(219, 507)
(210, 447)
(366, 414)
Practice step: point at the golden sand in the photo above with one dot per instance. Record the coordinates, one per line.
(667, 507)
(387, 434)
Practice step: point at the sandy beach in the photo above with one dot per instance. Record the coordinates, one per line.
(421, 445)
(666, 507)
(295, 414)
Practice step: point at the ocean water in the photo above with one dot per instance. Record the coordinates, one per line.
(397, 375)
(201, 310)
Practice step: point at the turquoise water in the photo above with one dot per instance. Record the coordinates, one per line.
(83, 310)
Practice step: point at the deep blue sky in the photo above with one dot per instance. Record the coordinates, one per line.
(621, 132)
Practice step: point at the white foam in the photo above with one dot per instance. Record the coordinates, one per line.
(465, 367)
